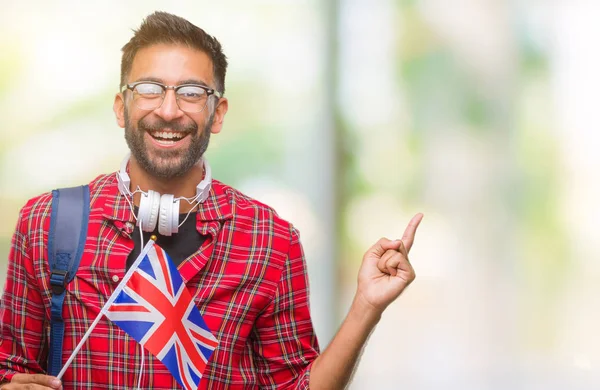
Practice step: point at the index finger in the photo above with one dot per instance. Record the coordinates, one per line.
(409, 234)
(40, 379)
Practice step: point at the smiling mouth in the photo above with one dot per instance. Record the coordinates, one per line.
(167, 137)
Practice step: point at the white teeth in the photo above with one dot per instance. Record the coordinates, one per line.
(167, 135)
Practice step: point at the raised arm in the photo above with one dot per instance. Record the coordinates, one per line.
(385, 272)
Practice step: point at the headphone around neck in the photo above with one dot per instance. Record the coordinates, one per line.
(162, 209)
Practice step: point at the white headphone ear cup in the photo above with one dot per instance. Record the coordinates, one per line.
(144, 209)
(175, 217)
(167, 210)
(148, 213)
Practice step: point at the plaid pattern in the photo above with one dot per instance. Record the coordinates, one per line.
(248, 278)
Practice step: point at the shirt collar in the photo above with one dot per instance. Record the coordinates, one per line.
(217, 207)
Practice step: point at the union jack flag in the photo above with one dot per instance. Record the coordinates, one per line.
(155, 308)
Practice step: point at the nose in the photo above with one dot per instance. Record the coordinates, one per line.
(169, 110)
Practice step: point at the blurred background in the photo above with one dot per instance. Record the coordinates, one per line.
(348, 117)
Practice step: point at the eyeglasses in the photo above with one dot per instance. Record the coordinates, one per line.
(150, 95)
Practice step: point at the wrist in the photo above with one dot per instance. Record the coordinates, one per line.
(363, 311)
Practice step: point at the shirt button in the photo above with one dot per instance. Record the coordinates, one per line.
(129, 226)
(115, 278)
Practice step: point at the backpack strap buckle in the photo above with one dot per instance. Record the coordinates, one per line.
(58, 281)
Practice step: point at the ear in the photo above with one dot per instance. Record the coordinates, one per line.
(220, 112)
(119, 109)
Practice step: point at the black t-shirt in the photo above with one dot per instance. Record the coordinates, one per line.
(179, 246)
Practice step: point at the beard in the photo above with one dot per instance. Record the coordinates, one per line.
(167, 164)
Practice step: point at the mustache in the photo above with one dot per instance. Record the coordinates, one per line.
(161, 124)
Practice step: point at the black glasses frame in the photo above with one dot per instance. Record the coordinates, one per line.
(209, 92)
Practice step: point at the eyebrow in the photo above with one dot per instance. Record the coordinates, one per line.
(194, 81)
(182, 82)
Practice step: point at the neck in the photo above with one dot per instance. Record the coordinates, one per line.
(182, 186)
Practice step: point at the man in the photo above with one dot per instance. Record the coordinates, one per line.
(243, 264)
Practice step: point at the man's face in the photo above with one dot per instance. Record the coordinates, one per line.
(166, 141)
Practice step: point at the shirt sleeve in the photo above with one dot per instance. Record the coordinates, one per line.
(285, 342)
(22, 313)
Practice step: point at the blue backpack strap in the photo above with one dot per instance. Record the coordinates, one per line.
(66, 239)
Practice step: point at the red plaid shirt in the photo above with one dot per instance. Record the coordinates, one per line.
(248, 278)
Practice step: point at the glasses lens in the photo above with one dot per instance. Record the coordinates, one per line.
(148, 96)
(191, 98)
